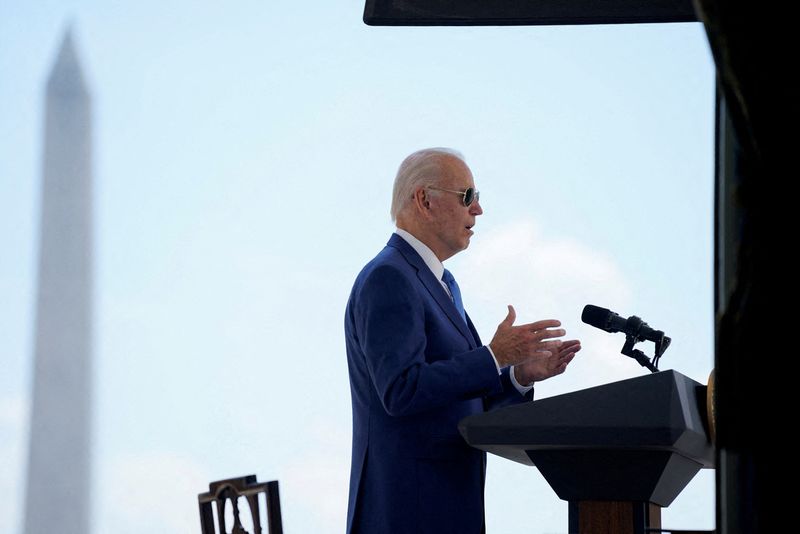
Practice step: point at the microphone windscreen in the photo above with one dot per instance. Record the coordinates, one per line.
(595, 316)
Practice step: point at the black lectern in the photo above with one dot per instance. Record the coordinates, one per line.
(617, 452)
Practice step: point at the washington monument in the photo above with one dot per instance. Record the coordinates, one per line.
(58, 476)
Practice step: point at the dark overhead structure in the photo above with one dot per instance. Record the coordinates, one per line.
(756, 133)
(531, 12)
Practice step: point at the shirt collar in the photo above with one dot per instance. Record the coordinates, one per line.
(424, 252)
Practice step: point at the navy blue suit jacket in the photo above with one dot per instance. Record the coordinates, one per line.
(416, 369)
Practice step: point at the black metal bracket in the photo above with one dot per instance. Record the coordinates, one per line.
(662, 343)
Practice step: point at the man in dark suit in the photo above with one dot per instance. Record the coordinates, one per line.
(417, 365)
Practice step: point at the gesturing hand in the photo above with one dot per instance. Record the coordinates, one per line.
(541, 368)
(515, 344)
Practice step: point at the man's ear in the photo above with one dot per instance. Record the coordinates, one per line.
(421, 199)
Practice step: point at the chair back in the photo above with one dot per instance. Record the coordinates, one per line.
(237, 490)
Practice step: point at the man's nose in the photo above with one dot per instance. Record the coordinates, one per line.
(475, 208)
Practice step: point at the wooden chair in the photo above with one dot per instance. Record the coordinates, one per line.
(233, 489)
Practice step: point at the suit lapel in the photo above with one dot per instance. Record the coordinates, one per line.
(433, 286)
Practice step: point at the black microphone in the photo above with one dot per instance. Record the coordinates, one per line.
(611, 322)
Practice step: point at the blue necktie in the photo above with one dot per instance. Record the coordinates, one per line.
(455, 293)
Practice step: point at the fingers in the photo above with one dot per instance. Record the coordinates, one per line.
(537, 341)
(558, 365)
(562, 362)
(568, 350)
(547, 361)
(566, 359)
(553, 346)
(545, 329)
(549, 333)
(510, 318)
(562, 366)
(538, 325)
(546, 323)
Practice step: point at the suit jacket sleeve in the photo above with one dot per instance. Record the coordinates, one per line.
(390, 316)
(509, 396)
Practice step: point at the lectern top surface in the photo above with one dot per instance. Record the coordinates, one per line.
(661, 411)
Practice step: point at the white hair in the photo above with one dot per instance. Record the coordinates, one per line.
(423, 168)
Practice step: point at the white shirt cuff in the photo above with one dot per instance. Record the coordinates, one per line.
(519, 387)
(522, 389)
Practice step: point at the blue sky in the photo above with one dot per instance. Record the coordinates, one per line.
(243, 167)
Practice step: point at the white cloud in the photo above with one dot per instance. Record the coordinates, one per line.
(543, 275)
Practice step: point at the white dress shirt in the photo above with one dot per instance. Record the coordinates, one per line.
(437, 268)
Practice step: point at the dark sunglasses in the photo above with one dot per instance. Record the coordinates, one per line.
(470, 194)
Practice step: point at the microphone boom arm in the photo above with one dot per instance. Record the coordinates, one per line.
(662, 343)
(639, 356)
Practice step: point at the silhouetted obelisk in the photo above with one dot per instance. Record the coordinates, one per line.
(57, 499)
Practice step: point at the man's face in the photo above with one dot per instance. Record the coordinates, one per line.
(452, 221)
